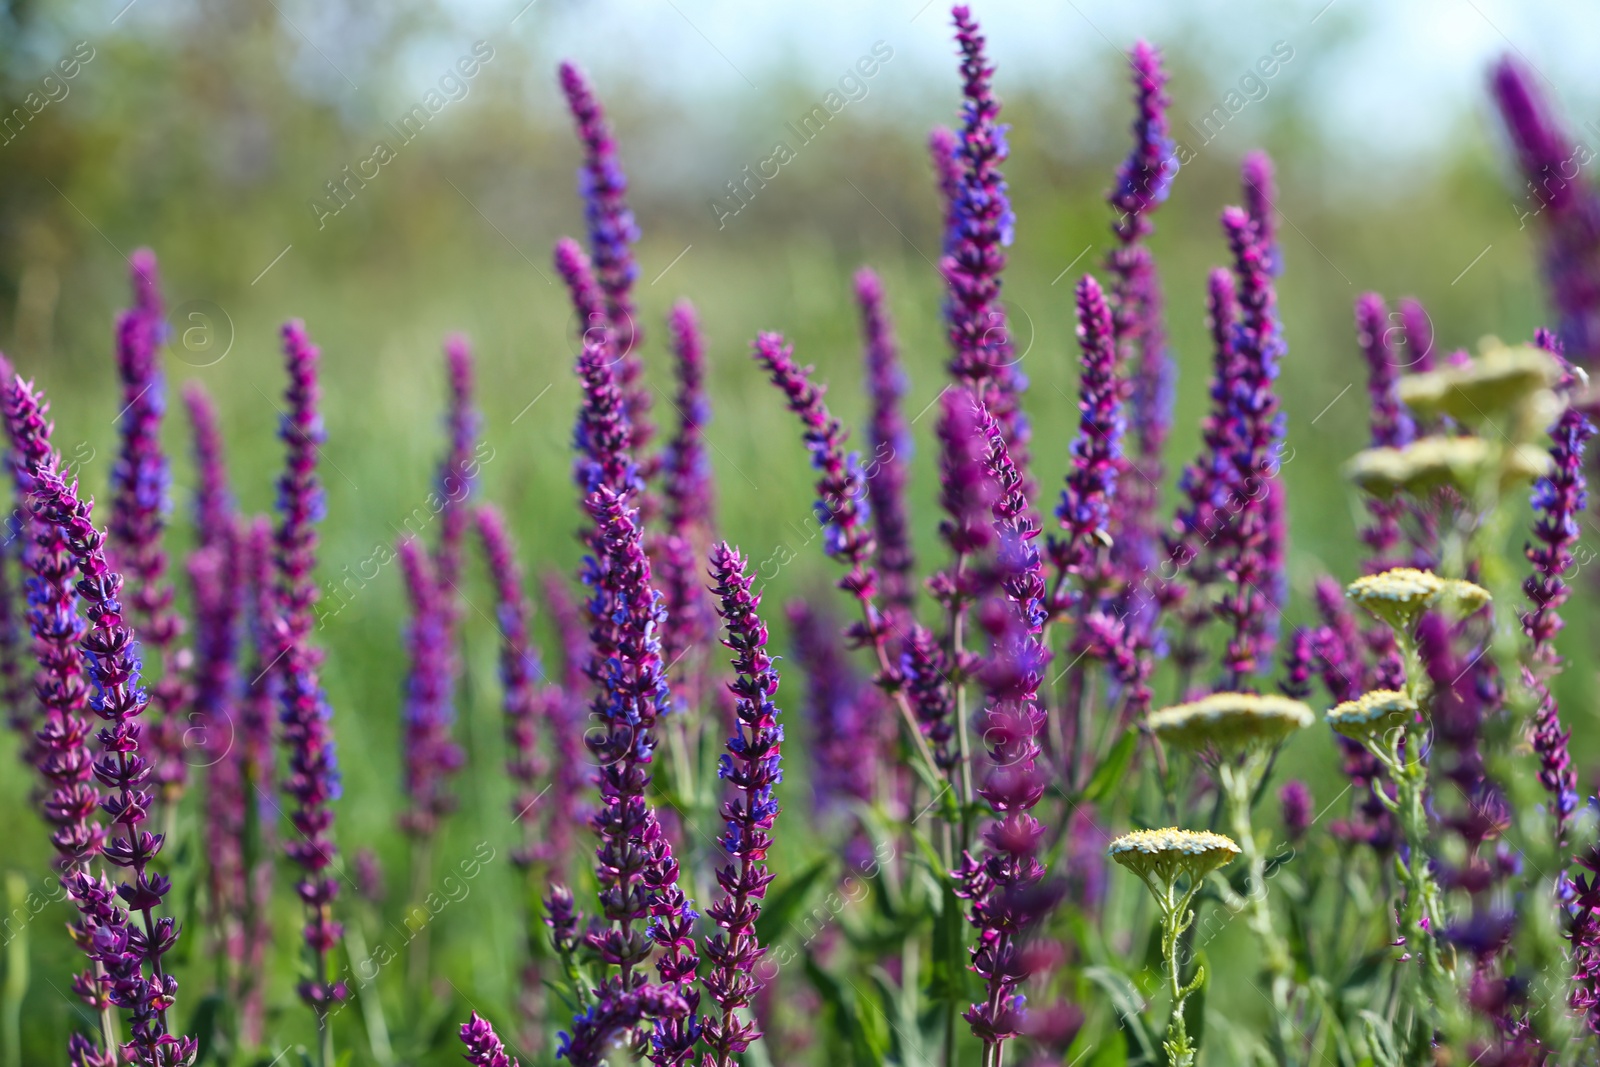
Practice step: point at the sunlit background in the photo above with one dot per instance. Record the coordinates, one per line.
(215, 133)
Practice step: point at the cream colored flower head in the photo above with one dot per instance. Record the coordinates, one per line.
(1438, 462)
(1401, 595)
(1371, 714)
(1502, 381)
(1165, 854)
(1229, 723)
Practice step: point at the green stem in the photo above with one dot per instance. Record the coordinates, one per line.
(1176, 915)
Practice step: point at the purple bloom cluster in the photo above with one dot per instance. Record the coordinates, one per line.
(687, 495)
(980, 225)
(612, 232)
(944, 151)
(752, 766)
(484, 1048)
(1250, 605)
(129, 956)
(603, 436)
(890, 440)
(841, 712)
(305, 714)
(522, 700)
(140, 484)
(430, 753)
(457, 472)
(1392, 426)
(1550, 161)
(1085, 509)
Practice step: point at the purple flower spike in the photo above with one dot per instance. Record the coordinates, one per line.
(1299, 664)
(1417, 327)
(484, 1048)
(840, 711)
(1260, 183)
(140, 485)
(213, 500)
(431, 755)
(458, 473)
(130, 956)
(887, 433)
(58, 746)
(688, 505)
(752, 766)
(524, 705)
(1145, 178)
(603, 436)
(1084, 511)
(1295, 797)
(1249, 604)
(1391, 426)
(981, 226)
(842, 507)
(612, 232)
(1559, 499)
(253, 748)
(313, 781)
(1556, 190)
(944, 149)
(1139, 332)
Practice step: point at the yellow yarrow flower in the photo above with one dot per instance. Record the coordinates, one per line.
(1165, 854)
(1372, 713)
(1230, 722)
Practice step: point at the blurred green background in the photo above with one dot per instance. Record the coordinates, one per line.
(206, 130)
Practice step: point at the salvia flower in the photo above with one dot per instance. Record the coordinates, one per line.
(484, 1048)
(140, 485)
(612, 233)
(1570, 206)
(687, 495)
(944, 151)
(131, 956)
(1253, 403)
(1391, 423)
(1295, 800)
(967, 494)
(1558, 499)
(1260, 184)
(458, 473)
(603, 436)
(752, 766)
(843, 746)
(521, 699)
(1145, 178)
(982, 225)
(306, 717)
(890, 440)
(430, 753)
(617, 1010)
(1084, 510)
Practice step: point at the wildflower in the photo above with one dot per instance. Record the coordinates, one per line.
(130, 956)
(890, 440)
(1392, 426)
(612, 233)
(1372, 714)
(944, 150)
(1299, 663)
(140, 484)
(1229, 723)
(1164, 856)
(1399, 596)
(313, 781)
(982, 227)
(752, 766)
(1569, 205)
(603, 436)
(1295, 800)
(1260, 186)
(1558, 498)
(1502, 380)
(484, 1048)
(1084, 511)
(430, 754)
(1430, 463)
(844, 760)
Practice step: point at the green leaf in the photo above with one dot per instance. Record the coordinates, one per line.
(1129, 1006)
(1194, 1009)
(1109, 775)
(204, 1025)
(948, 974)
(776, 921)
(1109, 1054)
(864, 1032)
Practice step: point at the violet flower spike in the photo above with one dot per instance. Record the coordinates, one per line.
(313, 781)
(131, 959)
(944, 150)
(981, 226)
(484, 1048)
(890, 440)
(1084, 511)
(1569, 207)
(213, 499)
(1416, 326)
(458, 475)
(752, 765)
(1248, 605)
(256, 753)
(1260, 185)
(844, 750)
(140, 486)
(612, 232)
(1392, 427)
(687, 492)
(55, 743)
(603, 435)
(15, 701)
(431, 756)
(520, 699)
